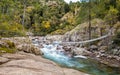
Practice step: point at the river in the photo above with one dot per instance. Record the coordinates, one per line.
(81, 63)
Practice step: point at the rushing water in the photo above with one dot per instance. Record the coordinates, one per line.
(82, 64)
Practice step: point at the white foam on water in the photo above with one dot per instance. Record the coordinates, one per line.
(80, 56)
(51, 52)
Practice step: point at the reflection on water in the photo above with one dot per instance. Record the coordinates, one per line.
(86, 65)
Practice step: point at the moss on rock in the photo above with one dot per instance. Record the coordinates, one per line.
(7, 50)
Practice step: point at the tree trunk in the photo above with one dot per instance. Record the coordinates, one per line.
(23, 21)
(89, 19)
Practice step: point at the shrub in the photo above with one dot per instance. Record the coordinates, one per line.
(7, 46)
(7, 50)
(9, 30)
(59, 31)
(10, 44)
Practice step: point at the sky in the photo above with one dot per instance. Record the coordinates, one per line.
(71, 0)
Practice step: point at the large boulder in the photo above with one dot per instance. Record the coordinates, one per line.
(81, 51)
(20, 44)
(29, 48)
(93, 48)
(67, 48)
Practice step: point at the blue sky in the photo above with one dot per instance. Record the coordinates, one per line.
(71, 0)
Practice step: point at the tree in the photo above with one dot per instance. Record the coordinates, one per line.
(111, 17)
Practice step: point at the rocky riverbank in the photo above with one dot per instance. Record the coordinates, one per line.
(99, 53)
(27, 60)
(105, 56)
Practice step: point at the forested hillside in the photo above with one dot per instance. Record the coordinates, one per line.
(53, 16)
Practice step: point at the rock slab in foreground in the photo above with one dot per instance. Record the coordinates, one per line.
(33, 65)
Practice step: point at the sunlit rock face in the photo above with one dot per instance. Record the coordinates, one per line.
(81, 31)
(75, 36)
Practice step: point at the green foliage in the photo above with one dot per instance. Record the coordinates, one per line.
(58, 31)
(8, 30)
(43, 17)
(111, 17)
(7, 47)
(7, 50)
(10, 44)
